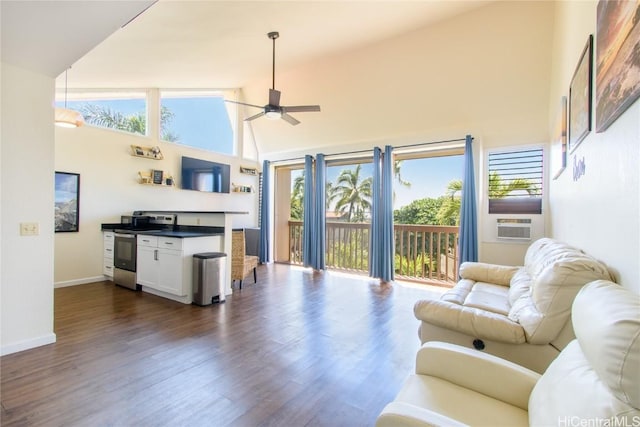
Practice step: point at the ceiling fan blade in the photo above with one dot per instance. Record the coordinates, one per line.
(244, 103)
(255, 116)
(301, 109)
(289, 119)
(274, 97)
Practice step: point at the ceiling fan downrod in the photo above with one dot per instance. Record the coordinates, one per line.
(273, 35)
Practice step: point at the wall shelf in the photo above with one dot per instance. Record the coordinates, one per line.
(155, 177)
(146, 152)
(246, 189)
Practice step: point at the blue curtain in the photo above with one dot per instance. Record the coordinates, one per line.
(308, 247)
(375, 235)
(319, 235)
(381, 243)
(386, 216)
(468, 215)
(265, 213)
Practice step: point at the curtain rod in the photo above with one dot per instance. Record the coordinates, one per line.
(371, 149)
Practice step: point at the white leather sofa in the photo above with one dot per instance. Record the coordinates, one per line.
(522, 313)
(595, 381)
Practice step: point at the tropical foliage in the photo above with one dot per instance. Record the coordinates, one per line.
(352, 194)
(103, 116)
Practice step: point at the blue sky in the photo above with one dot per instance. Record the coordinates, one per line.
(200, 122)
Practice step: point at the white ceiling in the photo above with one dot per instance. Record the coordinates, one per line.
(204, 44)
(48, 36)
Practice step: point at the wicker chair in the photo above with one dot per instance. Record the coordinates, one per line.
(241, 263)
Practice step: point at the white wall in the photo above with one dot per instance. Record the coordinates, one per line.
(600, 212)
(26, 299)
(484, 73)
(109, 188)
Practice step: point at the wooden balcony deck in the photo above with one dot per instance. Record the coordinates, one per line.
(423, 253)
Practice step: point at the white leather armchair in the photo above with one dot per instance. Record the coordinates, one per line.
(595, 379)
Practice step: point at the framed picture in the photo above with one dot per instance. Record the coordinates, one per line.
(157, 176)
(580, 97)
(67, 202)
(248, 171)
(559, 141)
(617, 60)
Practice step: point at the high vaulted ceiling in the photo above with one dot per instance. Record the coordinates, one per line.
(207, 44)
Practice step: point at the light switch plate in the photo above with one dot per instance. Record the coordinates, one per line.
(29, 228)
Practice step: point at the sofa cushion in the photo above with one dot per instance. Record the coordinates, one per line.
(520, 285)
(490, 297)
(557, 272)
(606, 321)
(596, 375)
(488, 273)
(471, 321)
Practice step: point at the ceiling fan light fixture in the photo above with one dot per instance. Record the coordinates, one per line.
(273, 115)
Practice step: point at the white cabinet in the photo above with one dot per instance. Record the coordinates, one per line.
(165, 264)
(108, 238)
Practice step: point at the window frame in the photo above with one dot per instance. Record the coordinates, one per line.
(517, 204)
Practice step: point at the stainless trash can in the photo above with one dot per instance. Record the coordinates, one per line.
(208, 277)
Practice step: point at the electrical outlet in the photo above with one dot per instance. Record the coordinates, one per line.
(29, 228)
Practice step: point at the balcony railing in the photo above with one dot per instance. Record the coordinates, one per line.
(423, 253)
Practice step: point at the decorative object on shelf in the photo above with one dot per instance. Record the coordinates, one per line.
(66, 117)
(559, 141)
(169, 180)
(580, 97)
(617, 84)
(145, 177)
(157, 176)
(248, 171)
(242, 188)
(67, 202)
(147, 152)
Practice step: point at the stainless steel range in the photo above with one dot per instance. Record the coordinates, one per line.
(125, 247)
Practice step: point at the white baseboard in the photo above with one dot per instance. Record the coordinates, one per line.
(28, 344)
(82, 281)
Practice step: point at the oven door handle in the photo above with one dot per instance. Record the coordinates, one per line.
(127, 236)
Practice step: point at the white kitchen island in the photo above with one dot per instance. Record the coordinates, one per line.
(192, 221)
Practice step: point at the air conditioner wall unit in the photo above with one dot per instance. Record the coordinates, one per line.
(513, 229)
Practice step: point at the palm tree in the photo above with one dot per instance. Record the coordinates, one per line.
(499, 188)
(353, 194)
(297, 198)
(136, 123)
(397, 166)
(449, 212)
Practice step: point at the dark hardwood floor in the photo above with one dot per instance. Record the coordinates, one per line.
(297, 349)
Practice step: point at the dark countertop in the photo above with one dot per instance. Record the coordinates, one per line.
(144, 212)
(182, 234)
(179, 231)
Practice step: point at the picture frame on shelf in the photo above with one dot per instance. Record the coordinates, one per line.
(617, 84)
(559, 141)
(157, 177)
(67, 202)
(248, 171)
(580, 97)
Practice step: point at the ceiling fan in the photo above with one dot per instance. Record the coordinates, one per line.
(273, 110)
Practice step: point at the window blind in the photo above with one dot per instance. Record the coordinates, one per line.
(516, 181)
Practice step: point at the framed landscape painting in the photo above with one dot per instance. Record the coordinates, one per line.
(67, 202)
(617, 59)
(580, 97)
